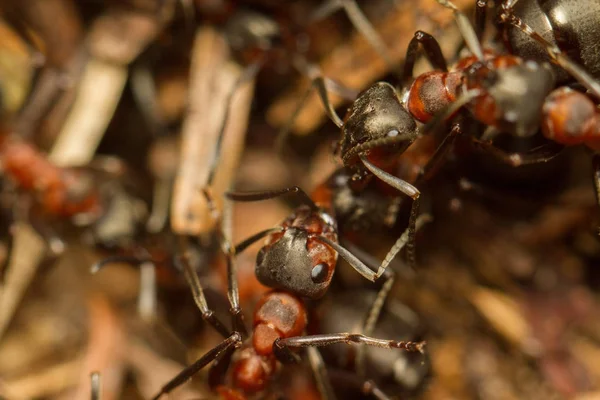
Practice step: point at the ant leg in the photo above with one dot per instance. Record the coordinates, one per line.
(161, 202)
(537, 155)
(95, 385)
(271, 194)
(349, 379)
(246, 76)
(233, 294)
(55, 243)
(465, 28)
(440, 154)
(557, 56)
(320, 373)
(410, 191)
(147, 295)
(314, 73)
(232, 341)
(284, 132)
(330, 85)
(360, 266)
(360, 23)
(282, 347)
(596, 169)
(480, 18)
(433, 53)
(196, 288)
(373, 316)
(143, 89)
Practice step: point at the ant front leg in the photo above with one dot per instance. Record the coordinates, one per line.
(350, 380)
(323, 85)
(233, 293)
(537, 155)
(320, 373)
(408, 190)
(465, 28)
(282, 347)
(231, 342)
(433, 53)
(372, 274)
(440, 155)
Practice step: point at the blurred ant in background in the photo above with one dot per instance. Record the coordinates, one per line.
(397, 373)
(80, 196)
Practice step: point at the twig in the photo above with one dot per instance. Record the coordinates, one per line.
(213, 78)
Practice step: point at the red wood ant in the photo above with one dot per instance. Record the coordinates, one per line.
(60, 192)
(298, 260)
(381, 124)
(80, 195)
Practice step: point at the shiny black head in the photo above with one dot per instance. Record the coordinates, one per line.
(288, 264)
(376, 114)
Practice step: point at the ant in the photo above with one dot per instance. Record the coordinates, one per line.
(297, 261)
(381, 123)
(398, 373)
(568, 117)
(83, 196)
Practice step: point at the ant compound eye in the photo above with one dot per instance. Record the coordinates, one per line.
(260, 257)
(392, 133)
(319, 273)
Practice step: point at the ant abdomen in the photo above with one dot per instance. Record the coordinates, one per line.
(431, 92)
(571, 118)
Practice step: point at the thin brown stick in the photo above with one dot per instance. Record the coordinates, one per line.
(212, 78)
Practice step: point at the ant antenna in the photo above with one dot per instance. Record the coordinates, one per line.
(183, 260)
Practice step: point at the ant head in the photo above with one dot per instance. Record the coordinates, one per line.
(514, 95)
(296, 262)
(376, 115)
